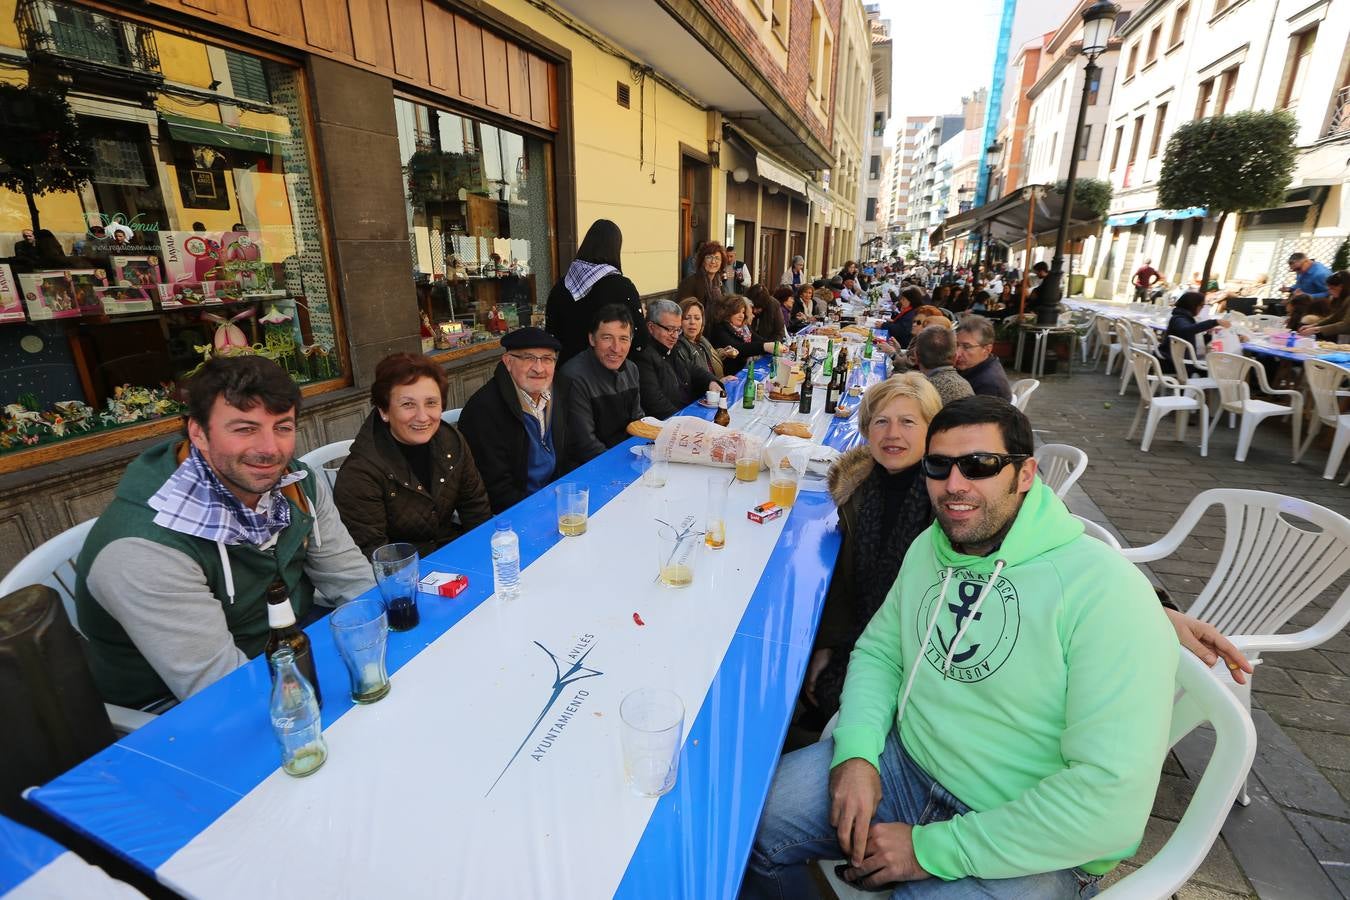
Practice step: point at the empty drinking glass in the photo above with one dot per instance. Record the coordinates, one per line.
(396, 573)
(361, 632)
(715, 522)
(653, 731)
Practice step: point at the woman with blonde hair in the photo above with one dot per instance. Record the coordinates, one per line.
(883, 506)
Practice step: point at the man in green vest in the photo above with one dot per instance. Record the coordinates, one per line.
(172, 580)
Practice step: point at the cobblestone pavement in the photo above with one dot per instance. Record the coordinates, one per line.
(1294, 838)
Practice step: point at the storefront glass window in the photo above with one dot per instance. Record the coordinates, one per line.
(479, 223)
(169, 216)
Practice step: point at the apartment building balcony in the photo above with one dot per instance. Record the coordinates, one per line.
(1340, 114)
(81, 44)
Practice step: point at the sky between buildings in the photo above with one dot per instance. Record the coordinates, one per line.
(943, 51)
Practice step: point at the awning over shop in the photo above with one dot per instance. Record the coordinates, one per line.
(771, 171)
(1007, 218)
(1125, 220)
(218, 134)
(1190, 212)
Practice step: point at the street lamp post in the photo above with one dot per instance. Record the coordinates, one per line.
(991, 155)
(1099, 21)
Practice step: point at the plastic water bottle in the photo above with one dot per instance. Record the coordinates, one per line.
(505, 562)
(295, 717)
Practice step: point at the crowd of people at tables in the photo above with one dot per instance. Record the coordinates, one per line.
(172, 578)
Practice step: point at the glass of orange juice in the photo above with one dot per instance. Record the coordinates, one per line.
(783, 484)
(747, 468)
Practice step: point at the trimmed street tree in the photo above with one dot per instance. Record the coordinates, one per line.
(43, 151)
(1228, 164)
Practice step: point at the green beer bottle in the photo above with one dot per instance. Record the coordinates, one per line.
(748, 398)
(828, 368)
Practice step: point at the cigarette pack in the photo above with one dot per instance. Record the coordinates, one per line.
(765, 512)
(443, 584)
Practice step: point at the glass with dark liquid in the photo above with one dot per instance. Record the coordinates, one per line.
(396, 572)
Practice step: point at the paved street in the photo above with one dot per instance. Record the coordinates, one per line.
(1294, 838)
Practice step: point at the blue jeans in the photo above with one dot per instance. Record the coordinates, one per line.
(795, 830)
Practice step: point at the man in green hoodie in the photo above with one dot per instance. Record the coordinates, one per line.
(1006, 712)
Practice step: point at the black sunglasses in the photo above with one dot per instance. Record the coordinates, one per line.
(972, 465)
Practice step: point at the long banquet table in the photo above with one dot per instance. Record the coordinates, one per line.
(486, 771)
(35, 867)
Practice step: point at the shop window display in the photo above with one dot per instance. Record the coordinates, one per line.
(153, 214)
(479, 224)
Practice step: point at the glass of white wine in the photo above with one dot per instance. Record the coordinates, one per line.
(573, 506)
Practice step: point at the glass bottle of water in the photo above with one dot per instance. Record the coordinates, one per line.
(505, 561)
(295, 717)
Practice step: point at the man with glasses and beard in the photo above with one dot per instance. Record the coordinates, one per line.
(172, 581)
(1005, 713)
(513, 423)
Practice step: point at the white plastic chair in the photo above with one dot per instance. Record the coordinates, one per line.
(1184, 400)
(1107, 343)
(319, 458)
(1230, 371)
(53, 564)
(1088, 337)
(1325, 382)
(1279, 554)
(1201, 697)
(451, 416)
(1059, 466)
(1183, 352)
(1266, 320)
(1140, 337)
(1093, 530)
(1022, 389)
(1125, 340)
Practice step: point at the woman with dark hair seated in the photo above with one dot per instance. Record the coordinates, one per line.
(1337, 320)
(766, 314)
(1182, 324)
(793, 316)
(409, 472)
(730, 329)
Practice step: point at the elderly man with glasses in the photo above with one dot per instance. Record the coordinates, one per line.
(667, 380)
(510, 424)
(975, 360)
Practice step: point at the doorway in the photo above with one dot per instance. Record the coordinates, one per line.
(695, 206)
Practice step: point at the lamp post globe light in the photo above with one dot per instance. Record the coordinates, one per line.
(1099, 21)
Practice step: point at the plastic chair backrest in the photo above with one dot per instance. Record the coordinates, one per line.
(1106, 329)
(1201, 698)
(1093, 530)
(1022, 389)
(1183, 352)
(1230, 371)
(1147, 372)
(1059, 466)
(1265, 321)
(1123, 334)
(53, 564)
(451, 416)
(1279, 554)
(319, 458)
(1324, 379)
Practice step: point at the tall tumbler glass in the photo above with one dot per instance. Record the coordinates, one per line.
(573, 509)
(715, 523)
(396, 573)
(361, 632)
(653, 731)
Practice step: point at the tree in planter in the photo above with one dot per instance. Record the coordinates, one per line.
(43, 151)
(1089, 193)
(1228, 164)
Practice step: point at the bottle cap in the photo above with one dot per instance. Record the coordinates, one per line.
(503, 524)
(280, 615)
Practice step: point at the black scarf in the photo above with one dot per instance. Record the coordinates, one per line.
(892, 511)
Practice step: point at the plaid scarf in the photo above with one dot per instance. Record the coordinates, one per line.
(194, 502)
(581, 277)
